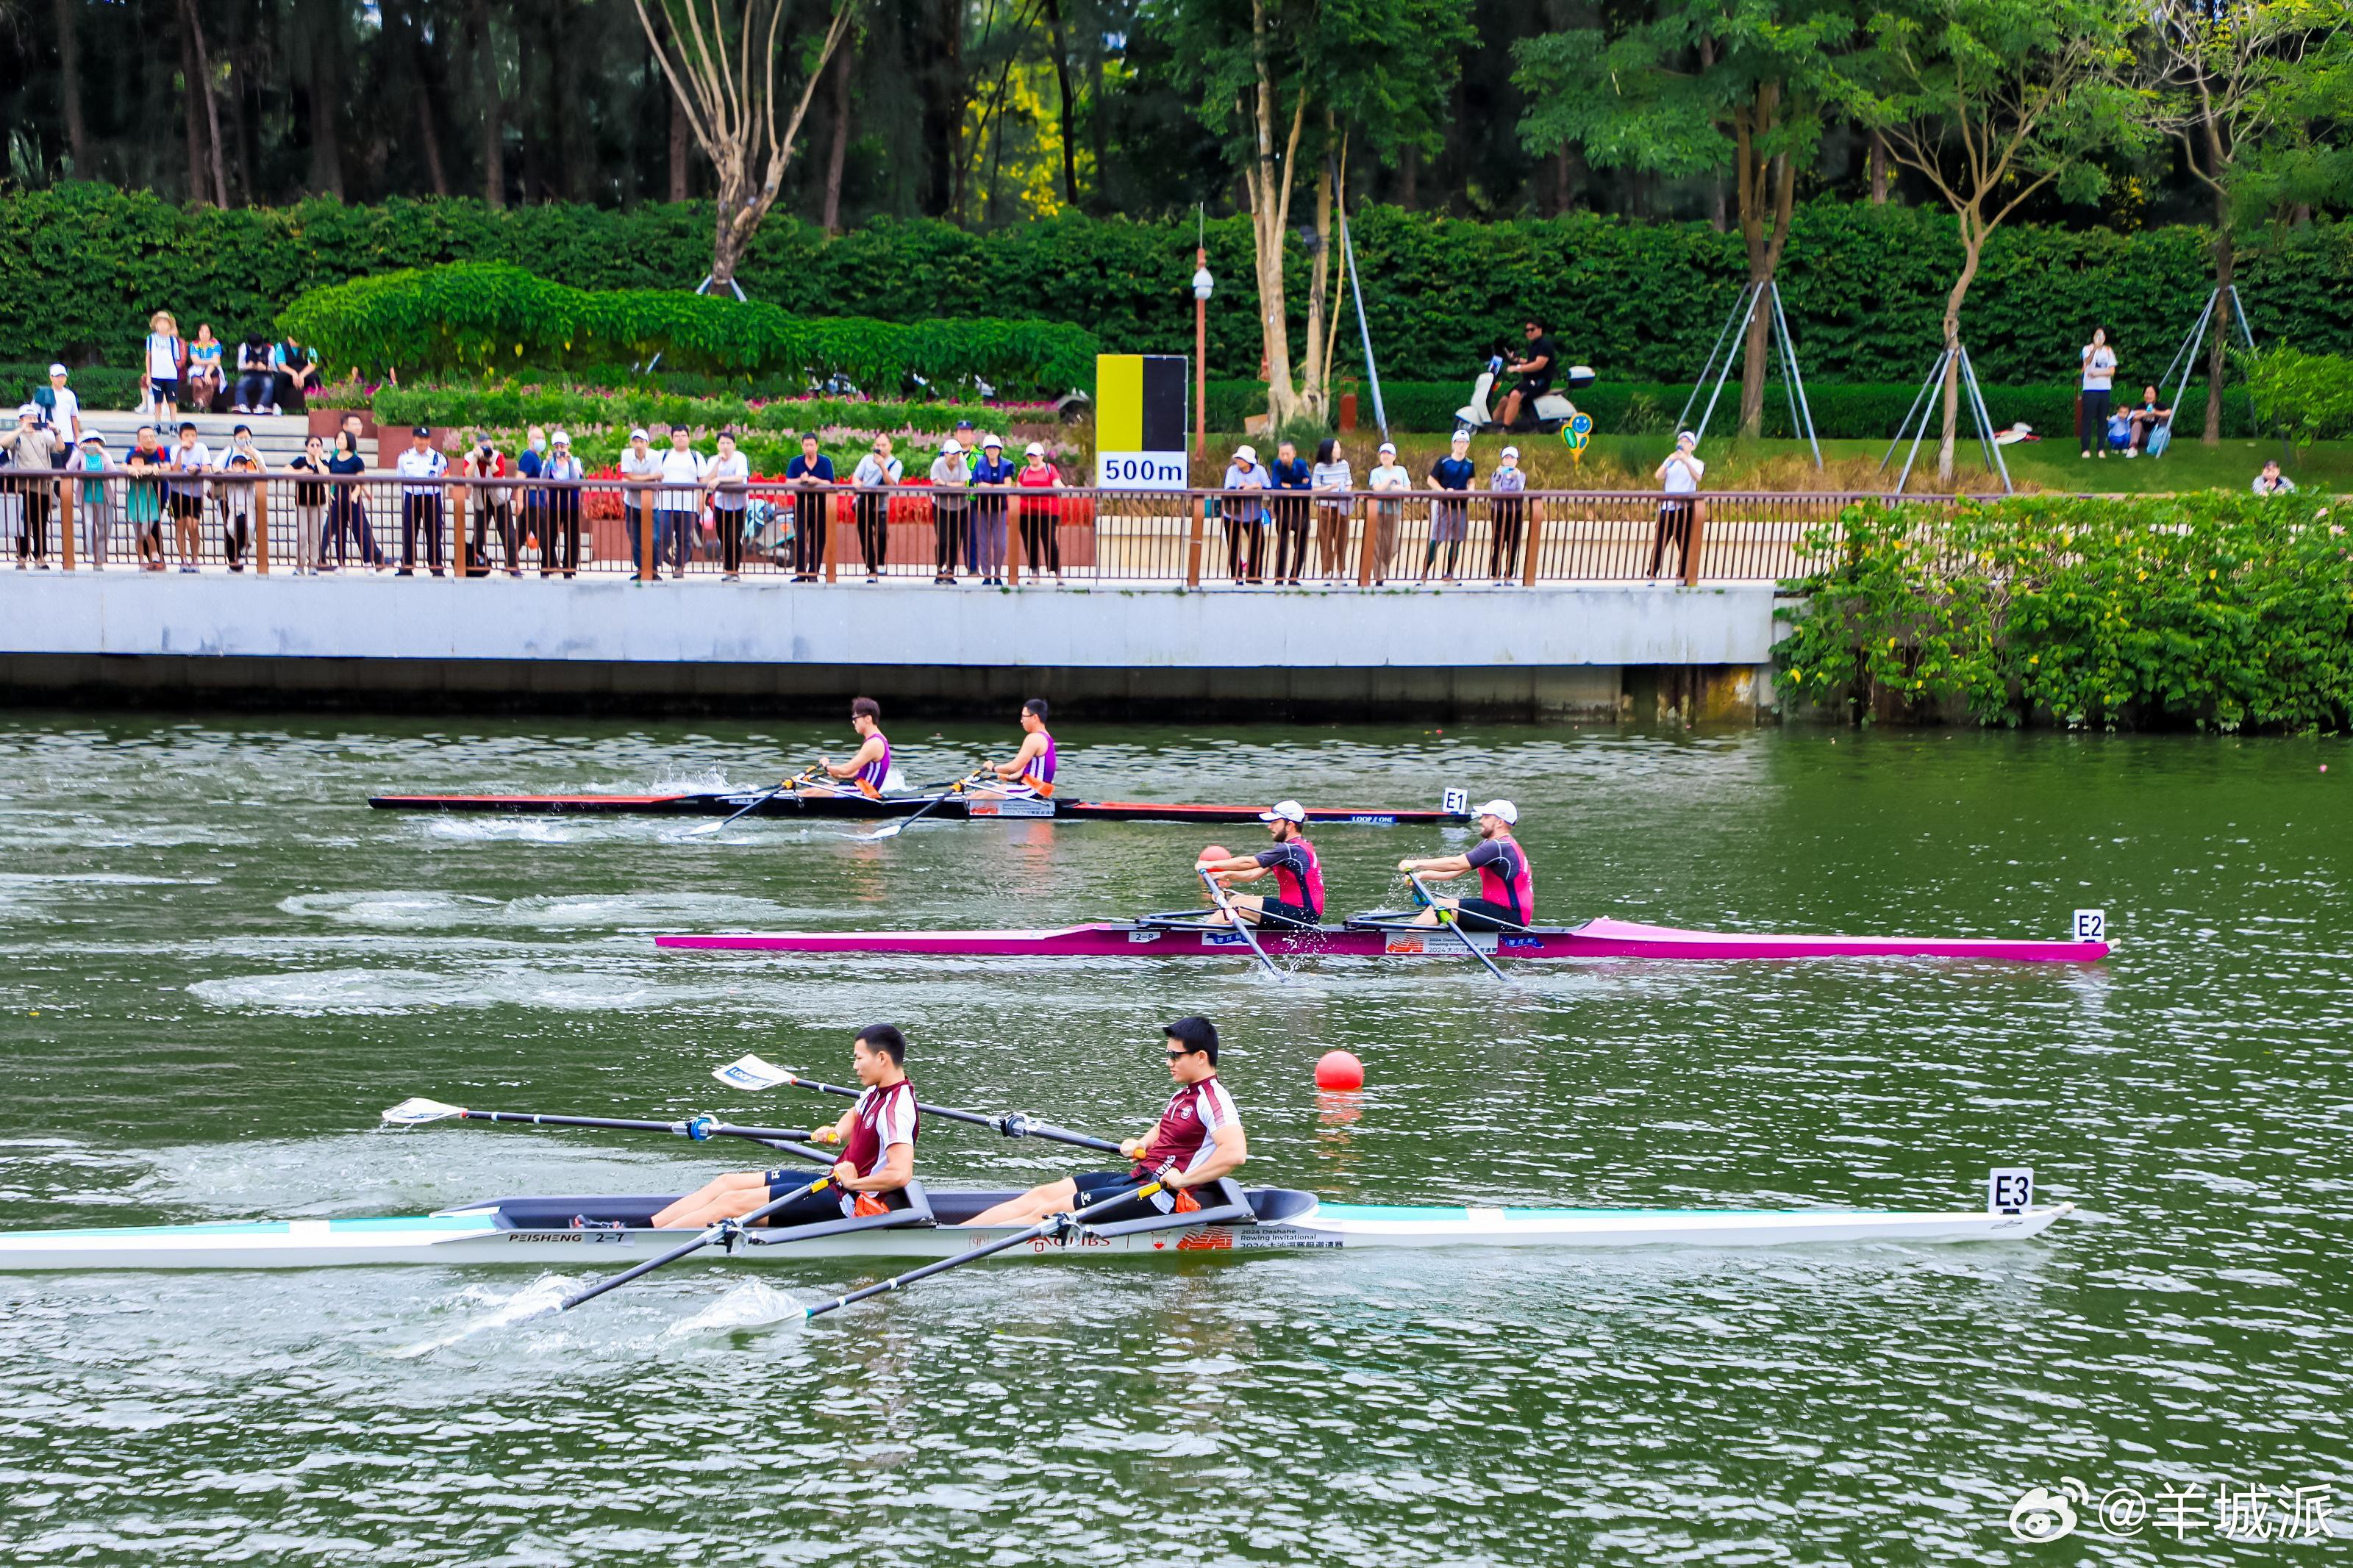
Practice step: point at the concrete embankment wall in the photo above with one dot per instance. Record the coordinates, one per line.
(126, 637)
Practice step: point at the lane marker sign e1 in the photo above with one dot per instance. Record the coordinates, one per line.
(1456, 803)
(2091, 925)
(2009, 1190)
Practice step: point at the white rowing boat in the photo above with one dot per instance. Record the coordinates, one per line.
(574, 1231)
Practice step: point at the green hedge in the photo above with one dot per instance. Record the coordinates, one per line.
(96, 386)
(516, 408)
(83, 265)
(2217, 610)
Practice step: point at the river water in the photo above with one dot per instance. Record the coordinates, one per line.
(217, 965)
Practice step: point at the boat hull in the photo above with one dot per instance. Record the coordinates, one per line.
(486, 1236)
(1594, 940)
(858, 808)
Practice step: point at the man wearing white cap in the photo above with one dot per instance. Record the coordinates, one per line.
(1297, 902)
(951, 490)
(1508, 484)
(639, 465)
(1507, 888)
(60, 409)
(559, 547)
(1387, 475)
(1245, 520)
(678, 503)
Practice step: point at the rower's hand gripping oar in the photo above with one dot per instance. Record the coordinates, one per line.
(1447, 918)
(781, 785)
(894, 828)
(752, 1073)
(1217, 895)
(417, 1112)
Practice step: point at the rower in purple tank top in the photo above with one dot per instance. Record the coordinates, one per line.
(1030, 775)
(871, 765)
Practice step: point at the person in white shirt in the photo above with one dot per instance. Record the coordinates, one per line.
(726, 478)
(1679, 477)
(2271, 482)
(1508, 484)
(951, 493)
(2099, 386)
(677, 505)
(189, 461)
(875, 473)
(639, 465)
(63, 410)
(1245, 520)
(1331, 483)
(167, 358)
(559, 550)
(242, 462)
(420, 502)
(1388, 475)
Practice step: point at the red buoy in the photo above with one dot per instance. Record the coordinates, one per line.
(1214, 852)
(1339, 1069)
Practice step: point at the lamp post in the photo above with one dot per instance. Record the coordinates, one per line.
(1202, 284)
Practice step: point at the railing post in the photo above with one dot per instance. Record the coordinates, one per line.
(831, 511)
(462, 490)
(1014, 512)
(1193, 544)
(65, 516)
(1372, 510)
(1533, 543)
(261, 528)
(645, 516)
(1694, 531)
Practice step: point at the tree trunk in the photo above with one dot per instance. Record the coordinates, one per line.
(1560, 187)
(1972, 246)
(1768, 190)
(192, 29)
(2217, 352)
(191, 113)
(326, 141)
(1408, 178)
(681, 134)
(837, 156)
(494, 132)
(942, 114)
(240, 128)
(1270, 190)
(68, 17)
(401, 22)
(1315, 382)
(1070, 110)
(1096, 128)
(1878, 170)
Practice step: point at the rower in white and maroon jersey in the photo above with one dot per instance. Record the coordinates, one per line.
(1298, 900)
(1198, 1141)
(1507, 888)
(877, 1134)
(869, 766)
(1030, 775)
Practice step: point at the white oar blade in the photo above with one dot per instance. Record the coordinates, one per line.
(697, 831)
(752, 1073)
(888, 830)
(417, 1112)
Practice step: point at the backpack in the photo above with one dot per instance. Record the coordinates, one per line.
(2161, 436)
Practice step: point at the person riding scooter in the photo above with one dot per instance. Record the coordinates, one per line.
(1536, 403)
(1535, 373)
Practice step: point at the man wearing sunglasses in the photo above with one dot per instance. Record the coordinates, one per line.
(1198, 1141)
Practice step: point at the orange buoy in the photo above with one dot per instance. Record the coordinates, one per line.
(1339, 1069)
(1214, 852)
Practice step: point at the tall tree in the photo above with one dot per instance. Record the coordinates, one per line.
(1698, 87)
(2237, 84)
(323, 45)
(720, 60)
(1991, 102)
(494, 132)
(68, 19)
(200, 66)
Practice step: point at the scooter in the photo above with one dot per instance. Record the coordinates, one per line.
(1548, 413)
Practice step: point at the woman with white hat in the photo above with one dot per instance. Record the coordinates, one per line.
(1041, 543)
(1508, 484)
(560, 549)
(1679, 477)
(1245, 520)
(1391, 477)
(951, 490)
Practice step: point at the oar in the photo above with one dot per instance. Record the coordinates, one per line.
(897, 825)
(1056, 1225)
(782, 785)
(1460, 934)
(752, 1073)
(1218, 896)
(710, 1234)
(419, 1113)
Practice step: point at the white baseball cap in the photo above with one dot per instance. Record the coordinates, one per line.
(1502, 808)
(1511, 452)
(560, 439)
(1033, 450)
(639, 436)
(1390, 447)
(991, 440)
(1285, 811)
(950, 448)
(57, 370)
(1684, 435)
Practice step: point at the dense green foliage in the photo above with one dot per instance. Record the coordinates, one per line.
(82, 266)
(2231, 611)
(514, 407)
(2308, 396)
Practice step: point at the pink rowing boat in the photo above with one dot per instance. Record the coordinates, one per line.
(1594, 939)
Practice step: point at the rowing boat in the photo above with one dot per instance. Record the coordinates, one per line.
(570, 1232)
(1178, 939)
(814, 805)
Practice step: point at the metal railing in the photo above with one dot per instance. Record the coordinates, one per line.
(278, 522)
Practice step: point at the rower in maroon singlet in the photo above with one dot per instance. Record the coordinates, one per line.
(1199, 1141)
(869, 766)
(1030, 775)
(1508, 886)
(877, 1134)
(1298, 899)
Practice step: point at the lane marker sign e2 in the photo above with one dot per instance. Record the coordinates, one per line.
(2091, 925)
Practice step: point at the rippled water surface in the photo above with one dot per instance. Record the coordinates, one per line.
(216, 965)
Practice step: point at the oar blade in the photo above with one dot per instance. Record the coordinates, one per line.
(417, 1112)
(891, 829)
(750, 1073)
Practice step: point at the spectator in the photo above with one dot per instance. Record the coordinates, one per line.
(2099, 380)
(207, 381)
(639, 465)
(310, 507)
(991, 478)
(1450, 520)
(294, 374)
(951, 485)
(811, 475)
(1245, 520)
(167, 363)
(1332, 481)
(60, 411)
(1388, 477)
(560, 543)
(2146, 419)
(252, 376)
(530, 464)
(237, 498)
(493, 508)
(2271, 482)
(188, 462)
(729, 480)
(143, 498)
(1042, 514)
(96, 507)
(1508, 484)
(1289, 478)
(420, 503)
(347, 519)
(679, 503)
(875, 474)
(1679, 477)
(32, 446)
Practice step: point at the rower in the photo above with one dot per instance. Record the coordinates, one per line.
(1507, 900)
(1198, 1142)
(869, 766)
(1298, 903)
(1030, 775)
(878, 1134)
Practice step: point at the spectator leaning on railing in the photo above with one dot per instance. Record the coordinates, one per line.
(1245, 518)
(142, 499)
(347, 519)
(1289, 477)
(728, 478)
(1041, 542)
(421, 502)
(1388, 477)
(810, 475)
(876, 473)
(678, 504)
(1508, 484)
(640, 464)
(31, 445)
(951, 489)
(244, 469)
(1332, 481)
(94, 508)
(310, 507)
(560, 545)
(991, 478)
(1450, 520)
(493, 507)
(188, 462)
